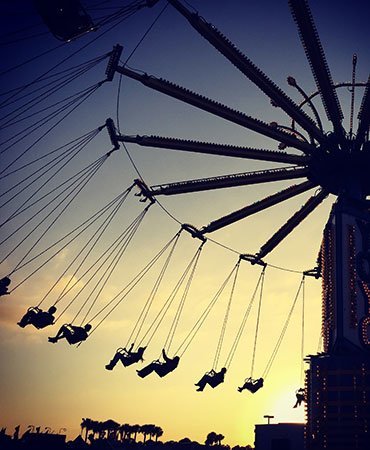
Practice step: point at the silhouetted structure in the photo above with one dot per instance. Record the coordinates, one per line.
(66, 19)
(337, 383)
(279, 436)
(338, 402)
(334, 162)
(108, 435)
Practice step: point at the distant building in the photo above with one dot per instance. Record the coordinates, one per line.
(279, 436)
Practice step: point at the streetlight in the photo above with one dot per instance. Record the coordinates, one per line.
(268, 418)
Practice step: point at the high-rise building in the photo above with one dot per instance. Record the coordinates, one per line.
(338, 380)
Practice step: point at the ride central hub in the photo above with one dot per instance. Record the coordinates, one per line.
(341, 172)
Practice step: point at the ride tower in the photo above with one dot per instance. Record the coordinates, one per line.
(328, 158)
(338, 380)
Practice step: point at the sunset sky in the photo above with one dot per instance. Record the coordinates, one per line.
(56, 385)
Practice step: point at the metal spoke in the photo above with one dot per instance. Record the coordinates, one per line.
(218, 109)
(364, 117)
(239, 179)
(316, 57)
(215, 149)
(250, 70)
(292, 223)
(258, 206)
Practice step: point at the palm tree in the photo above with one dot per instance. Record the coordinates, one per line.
(135, 429)
(100, 429)
(145, 430)
(219, 438)
(157, 432)
(153, 430)
(96, 428)
(86, 425)
(124, 430)
(111, 428)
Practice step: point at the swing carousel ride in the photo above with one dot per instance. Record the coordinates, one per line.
(79, 247)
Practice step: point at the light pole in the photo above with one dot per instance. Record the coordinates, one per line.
(268, 418)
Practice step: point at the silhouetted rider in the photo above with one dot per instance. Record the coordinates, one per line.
(161, 368)
(212, 378)
(71, 333)
(127, 357)
(4, 283)
(37, 317)
(301, 397)
(251, 385)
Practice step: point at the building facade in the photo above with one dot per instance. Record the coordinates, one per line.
(279, 436)
(338, 380)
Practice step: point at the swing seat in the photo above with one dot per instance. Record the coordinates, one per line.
(253, 385)
(40, 319)
(43, 322)
(214, 381)
(145, 371)
(73, 339)
(66, 19)
(215, 378)
(73, 336)
(129, 358)
(164, 368)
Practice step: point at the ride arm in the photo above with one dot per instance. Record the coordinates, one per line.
(214, 149)
(292, 223)
(249, 69)
(319, 66)
(258, 206)
(216, 108)
(364, 117)
(224, 181)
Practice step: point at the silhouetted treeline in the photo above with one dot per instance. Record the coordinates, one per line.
(106, 435)
(93, 430)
